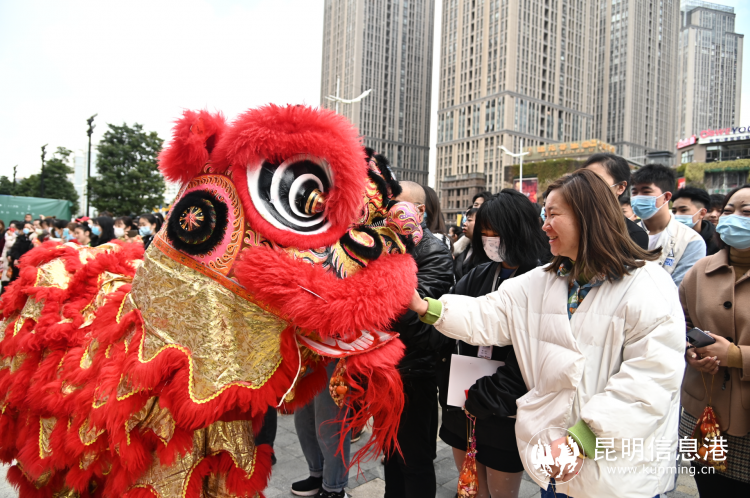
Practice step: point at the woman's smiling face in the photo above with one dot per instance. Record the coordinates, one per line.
(561, 226)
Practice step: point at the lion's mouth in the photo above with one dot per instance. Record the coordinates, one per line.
(339, 348)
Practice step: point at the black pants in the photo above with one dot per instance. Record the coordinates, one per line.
(413, 475)
(717, 485)
(267, 433)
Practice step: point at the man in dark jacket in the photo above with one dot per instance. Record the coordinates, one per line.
(614, 170)
(22, 245)
(689, 206)
(413, 475)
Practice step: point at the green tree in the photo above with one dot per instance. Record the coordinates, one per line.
(128, 181)
(56, 183)
(6, 186)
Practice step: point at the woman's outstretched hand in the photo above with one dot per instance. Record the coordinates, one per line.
(417, 304)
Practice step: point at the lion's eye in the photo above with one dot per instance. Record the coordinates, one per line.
(291, 195)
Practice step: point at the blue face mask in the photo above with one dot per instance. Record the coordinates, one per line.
(70, 237)
(144, 231)
(26, 231)
(644, 206)
(686, 219)
(543, 214)
(96, 230)
(734, 231)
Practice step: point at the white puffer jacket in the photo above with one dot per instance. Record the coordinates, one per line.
(617, 364)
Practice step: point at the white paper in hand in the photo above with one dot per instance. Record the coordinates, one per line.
(465, 370)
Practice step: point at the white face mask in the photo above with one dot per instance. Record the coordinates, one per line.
(492, 248)
(119, 232)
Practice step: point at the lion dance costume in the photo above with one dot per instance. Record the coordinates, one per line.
(132, 374)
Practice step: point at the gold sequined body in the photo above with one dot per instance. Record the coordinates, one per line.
(226, 340)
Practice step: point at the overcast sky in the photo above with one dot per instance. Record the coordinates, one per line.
(145, 61)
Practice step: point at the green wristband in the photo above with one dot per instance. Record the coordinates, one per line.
(434, 310)
(585, 437)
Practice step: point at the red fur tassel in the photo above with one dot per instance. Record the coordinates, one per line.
(194, 137)
(368, 300)
(376, 387)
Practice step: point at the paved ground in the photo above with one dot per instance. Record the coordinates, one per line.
(291, 467)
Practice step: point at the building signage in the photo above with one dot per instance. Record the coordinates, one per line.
(725, 138)
(734, 130)
(731, 134)
(686, 142)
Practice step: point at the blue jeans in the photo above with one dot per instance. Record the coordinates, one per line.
(550, 492)
(319, 439)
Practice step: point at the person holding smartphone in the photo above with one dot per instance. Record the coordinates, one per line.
(715, 297)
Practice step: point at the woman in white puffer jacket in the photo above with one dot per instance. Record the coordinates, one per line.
(600, 337)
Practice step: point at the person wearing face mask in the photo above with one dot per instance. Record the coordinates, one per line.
(103, 230)
(615, 172)
(715, 294)
(411, 474)
(148, 226)
(123, 224)
(23, 244)
(689, 206)
(599, 336)
(681, 247)
(69, 232)
(507, 232)
(57, 230)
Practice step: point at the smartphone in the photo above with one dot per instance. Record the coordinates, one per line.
(699, 339)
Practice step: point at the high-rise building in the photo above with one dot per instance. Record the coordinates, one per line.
(710, 64)
(637, 75)
(384, 46)
(510, 71)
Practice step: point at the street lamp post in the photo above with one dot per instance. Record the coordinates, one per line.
(336, 98)
(14, 179)
(41, 177)
(89, 132)
(519, 155)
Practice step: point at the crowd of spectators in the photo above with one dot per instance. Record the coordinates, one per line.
(635, 261)
(19, 237)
